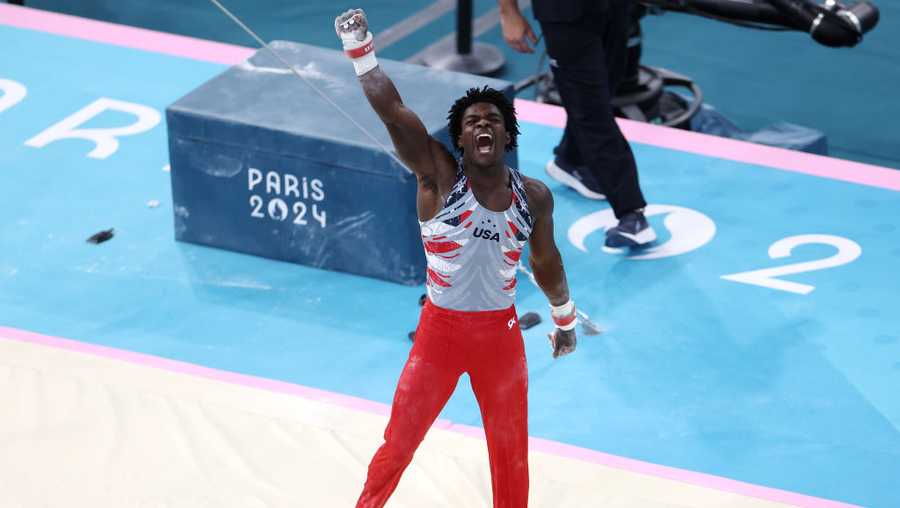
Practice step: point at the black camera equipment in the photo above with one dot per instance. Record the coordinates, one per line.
(643, 94)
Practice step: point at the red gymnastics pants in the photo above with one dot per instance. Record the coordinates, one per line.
(488, 346)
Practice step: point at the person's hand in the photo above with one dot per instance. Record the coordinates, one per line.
(562, 341)
(353, 29)
(517, 32)
(351, 25)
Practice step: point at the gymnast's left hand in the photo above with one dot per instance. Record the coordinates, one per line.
(562, 341)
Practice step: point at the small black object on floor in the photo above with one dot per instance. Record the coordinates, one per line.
(529, 319)
(101, 237)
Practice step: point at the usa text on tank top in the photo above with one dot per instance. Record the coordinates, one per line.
(472, 252)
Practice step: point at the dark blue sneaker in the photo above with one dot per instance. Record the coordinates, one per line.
(576, 177)
(633, 230)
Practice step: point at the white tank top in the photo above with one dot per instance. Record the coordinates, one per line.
(472, 252)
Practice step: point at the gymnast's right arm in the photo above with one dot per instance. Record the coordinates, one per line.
(424, 155)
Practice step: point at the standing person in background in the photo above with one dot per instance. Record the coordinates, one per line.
(476, 215)
(587, 44)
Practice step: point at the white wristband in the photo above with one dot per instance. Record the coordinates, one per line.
(564, 316)
(365, 64)
(362, 53)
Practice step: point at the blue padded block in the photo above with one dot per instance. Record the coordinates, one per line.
(261, 164)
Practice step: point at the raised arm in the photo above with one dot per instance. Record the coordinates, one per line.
(547, 266)
(424, 155)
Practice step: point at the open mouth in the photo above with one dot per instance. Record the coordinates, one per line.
(484, 143)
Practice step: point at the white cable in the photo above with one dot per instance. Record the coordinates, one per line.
(590, 327)
(316, 89)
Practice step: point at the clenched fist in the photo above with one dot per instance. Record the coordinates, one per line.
(353, 29)
(352, 24)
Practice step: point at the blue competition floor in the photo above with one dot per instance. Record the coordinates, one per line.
(772, 387)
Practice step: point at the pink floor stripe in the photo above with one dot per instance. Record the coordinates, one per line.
(537, 444)
(683, 476)
(197, 370)
(729, 149)
(121, 35)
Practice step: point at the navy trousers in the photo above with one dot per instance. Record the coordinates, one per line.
(588, 60)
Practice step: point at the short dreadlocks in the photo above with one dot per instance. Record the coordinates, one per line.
(474, 96)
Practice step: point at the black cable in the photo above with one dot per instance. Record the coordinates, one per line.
(534, 78)
(744, 24)
(537, 72)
